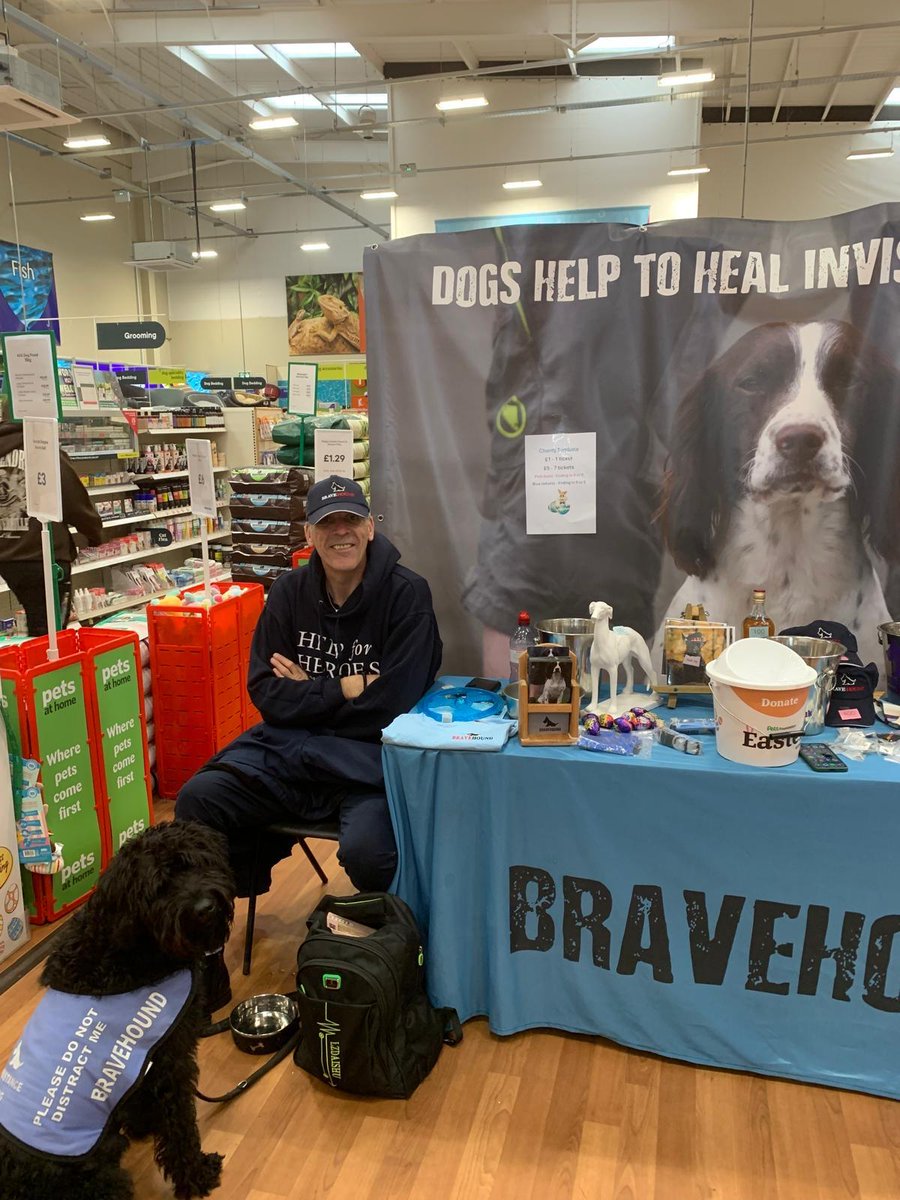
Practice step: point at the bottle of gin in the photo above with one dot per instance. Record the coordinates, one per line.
(756, 623)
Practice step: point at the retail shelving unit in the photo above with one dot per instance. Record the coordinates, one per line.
(105, 447)
(249, 434)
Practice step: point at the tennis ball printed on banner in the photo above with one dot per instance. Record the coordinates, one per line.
(512, 418)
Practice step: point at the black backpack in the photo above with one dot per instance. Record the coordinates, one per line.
(367, 1023)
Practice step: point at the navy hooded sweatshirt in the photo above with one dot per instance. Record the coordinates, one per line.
(387, 628)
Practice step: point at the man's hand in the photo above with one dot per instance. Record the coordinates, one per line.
(352, 686)
(285, 669)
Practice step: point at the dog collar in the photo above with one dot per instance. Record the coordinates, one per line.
(77, 1060)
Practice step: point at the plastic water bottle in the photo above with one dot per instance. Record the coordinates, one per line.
(523, 637)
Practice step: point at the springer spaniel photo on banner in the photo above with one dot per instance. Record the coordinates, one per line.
(774, 458)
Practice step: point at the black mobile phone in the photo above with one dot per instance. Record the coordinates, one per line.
(821, 757)
(486, 685)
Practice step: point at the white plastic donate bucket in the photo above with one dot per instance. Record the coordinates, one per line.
(760, 689)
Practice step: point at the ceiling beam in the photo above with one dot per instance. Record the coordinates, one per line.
(381, 24)
(508, 69)
(792, 51)
(128, 184)
(466, 53)
(102, 93)
(199, 124)
(191, 59)
(731, 71)
(843, 71)
(882, 99)
(305, 80)
(372, 56)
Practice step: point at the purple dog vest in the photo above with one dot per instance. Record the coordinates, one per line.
(78, 1058)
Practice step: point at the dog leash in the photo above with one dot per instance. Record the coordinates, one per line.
(217, 1027)
(267, 1066)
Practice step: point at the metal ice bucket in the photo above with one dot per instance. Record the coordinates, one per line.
(576, 634)
(823, 656)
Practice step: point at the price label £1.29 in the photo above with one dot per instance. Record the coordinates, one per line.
(334, 452)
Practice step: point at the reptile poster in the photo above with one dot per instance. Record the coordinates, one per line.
(326, 314)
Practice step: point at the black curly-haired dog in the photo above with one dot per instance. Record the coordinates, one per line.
(127, 974)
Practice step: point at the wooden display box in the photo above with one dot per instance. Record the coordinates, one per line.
(542, 720)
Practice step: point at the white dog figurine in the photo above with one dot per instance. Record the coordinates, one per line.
(610, 649)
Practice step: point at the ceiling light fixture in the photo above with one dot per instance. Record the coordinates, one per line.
(458, 102)
(88, 141)
(386, 194)
(515, 185)
(874, 152)
(97, 217)
(228, 206)
(698, 170)
(204, 254)
(683, 78)
(314, 246)
(273, 123)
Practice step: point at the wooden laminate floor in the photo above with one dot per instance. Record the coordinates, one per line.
(540, 1115)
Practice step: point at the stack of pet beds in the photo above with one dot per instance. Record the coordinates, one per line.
(268, 514)
(296, 439)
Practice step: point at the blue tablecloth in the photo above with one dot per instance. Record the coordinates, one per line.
(729, 916)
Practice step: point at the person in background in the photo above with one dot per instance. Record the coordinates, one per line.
(343, 646)
(21, 564)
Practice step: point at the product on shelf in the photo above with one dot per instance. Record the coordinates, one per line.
(140, 582)
(250, 506)
(161, 420)
(272, 480)
(268, 509)
(297, 444)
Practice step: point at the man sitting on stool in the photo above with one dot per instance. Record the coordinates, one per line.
(343, 646)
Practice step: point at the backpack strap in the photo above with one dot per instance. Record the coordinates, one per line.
(453, 1030)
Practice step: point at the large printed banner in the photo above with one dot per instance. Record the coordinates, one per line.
(27, 290)
(742, 379)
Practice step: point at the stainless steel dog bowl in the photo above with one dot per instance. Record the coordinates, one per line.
(262, 1024)
(511, 696)
(823, 655)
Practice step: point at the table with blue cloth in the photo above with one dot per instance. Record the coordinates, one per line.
(687, 906)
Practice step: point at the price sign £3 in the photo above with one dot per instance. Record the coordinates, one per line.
(201, 479)
(334, 453)
(43, 484)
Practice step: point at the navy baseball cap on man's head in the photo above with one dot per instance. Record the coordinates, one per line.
(334, 494)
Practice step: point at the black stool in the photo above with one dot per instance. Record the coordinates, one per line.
(328, 830)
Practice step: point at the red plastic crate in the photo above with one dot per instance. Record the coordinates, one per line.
(198, 657)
